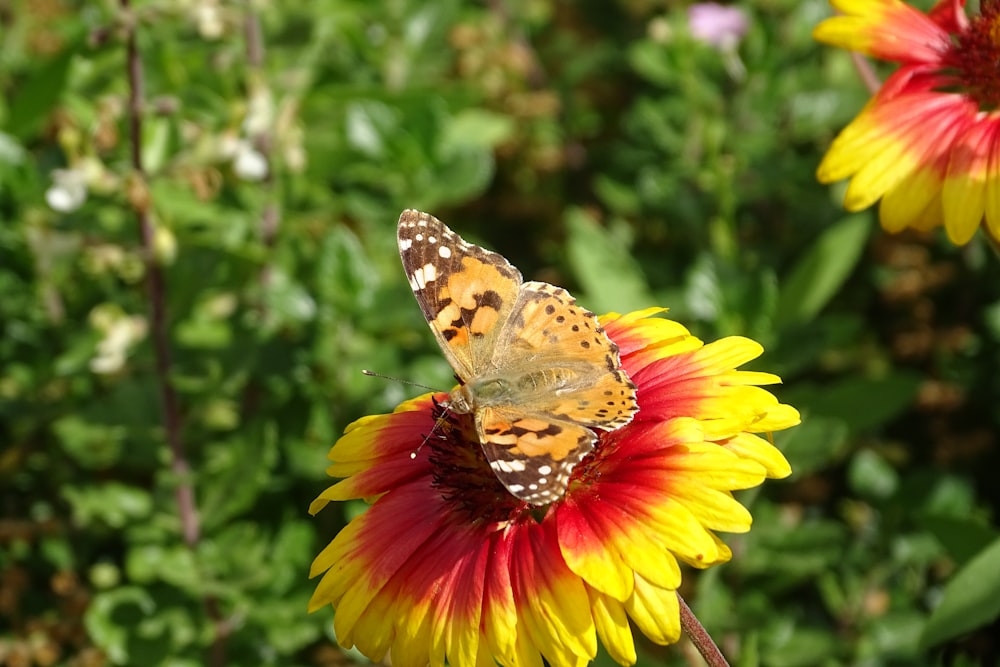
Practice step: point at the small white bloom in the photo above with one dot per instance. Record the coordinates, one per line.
(260, 113)
(68, 190)
(249, 164)
(120, 333)
(227, 145)
(208, 15)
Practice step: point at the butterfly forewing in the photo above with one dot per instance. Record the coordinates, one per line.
(465, 292)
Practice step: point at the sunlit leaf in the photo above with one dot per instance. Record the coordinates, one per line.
(971, 598)
(821, 271)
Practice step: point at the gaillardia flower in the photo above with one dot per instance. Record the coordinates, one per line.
(446, 566)
(928, 143)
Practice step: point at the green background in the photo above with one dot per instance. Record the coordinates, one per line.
(599, 147)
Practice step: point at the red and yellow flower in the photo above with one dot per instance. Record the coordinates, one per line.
(928, 143)
(446, 566)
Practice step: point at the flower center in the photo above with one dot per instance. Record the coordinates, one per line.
(977, 56)
(462, 474)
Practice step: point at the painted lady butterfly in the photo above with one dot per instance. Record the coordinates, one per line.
(536, 371)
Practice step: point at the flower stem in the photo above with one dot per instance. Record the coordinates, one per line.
(270, 220)
(699, 636)
(866, 72)
(156, 290)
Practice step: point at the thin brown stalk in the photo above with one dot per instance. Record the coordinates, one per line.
(699, 636)
(156, 291)
(269, 219)
(866, 72)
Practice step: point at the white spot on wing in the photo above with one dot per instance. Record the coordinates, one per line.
(405, 244)
(545, 470)
(425, 274)
(507, 466)
(444, 251)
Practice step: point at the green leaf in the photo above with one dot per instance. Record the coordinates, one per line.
(92, 445)
(823, 269)
(11, 150)
(38, 95)
(368, 124)
(898, 633)
(611, 278)
(813, 444)
(157, 142)
(344, 278)
(102, 625)
(112, 504)
(648, 61)
(461, 176)
(963, 537)
(862, 404)
(475, 128)
(805, 647)
(872, 476)
(287, 300)
(971, 599)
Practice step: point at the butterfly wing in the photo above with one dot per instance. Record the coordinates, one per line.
(532, 456)
(465, 292)
(581, 378)
(566, 373)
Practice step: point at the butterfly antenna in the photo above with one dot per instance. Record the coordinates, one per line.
(437, 422)
(373, 374)
(435, 429)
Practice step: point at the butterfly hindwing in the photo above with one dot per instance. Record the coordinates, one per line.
(531, 455)
(549, 330)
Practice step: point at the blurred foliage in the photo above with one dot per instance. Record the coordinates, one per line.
(599, 147)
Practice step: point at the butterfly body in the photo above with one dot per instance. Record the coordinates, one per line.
(512, 386)
(536, 371)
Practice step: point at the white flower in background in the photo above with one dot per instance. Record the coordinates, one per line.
(208, 17)
(260, 112)
(120, 332)
(249, 164)
(68, 190)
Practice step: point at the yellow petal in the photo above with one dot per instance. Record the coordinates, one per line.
(755, 448)
(912, 199)
(612, 627)
(655, 611)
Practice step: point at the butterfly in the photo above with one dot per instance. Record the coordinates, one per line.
(536, 371)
